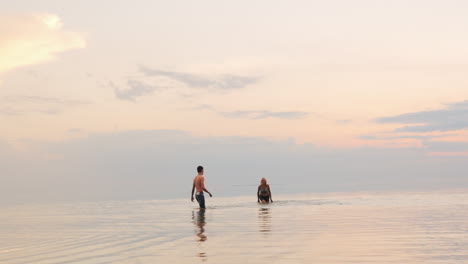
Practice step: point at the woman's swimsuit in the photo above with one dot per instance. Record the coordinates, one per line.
(264, 194)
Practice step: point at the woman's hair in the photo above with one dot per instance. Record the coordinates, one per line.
(263, 179)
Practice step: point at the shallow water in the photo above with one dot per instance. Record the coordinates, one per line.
(332, 228)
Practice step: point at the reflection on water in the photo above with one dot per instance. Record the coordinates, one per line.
(409, 228)
(264, 219)
(199, 220)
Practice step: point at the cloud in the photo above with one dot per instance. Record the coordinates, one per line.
(136, 89)
(449, 154)
(444, 146)
(453, 117)
(22, 104)
(22, 111)
(264, 114)
(75, 130)
(166, 79)
(27, 39)
(223, 82)
(131, 164)
(43, 100)
(344, 121)
(201, 107)
(391, 137)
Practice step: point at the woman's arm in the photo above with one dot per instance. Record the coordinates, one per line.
(269, 191)
(258, 194)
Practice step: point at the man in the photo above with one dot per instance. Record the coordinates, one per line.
(199, 184)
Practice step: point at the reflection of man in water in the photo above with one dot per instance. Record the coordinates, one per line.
(199, 185)
(199, 221)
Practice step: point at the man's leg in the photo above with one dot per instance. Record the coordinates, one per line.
(201, 200)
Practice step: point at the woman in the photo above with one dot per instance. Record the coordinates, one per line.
(263, 192)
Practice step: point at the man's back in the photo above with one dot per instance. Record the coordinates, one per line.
(199, 182)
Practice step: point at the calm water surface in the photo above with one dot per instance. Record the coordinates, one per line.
(340, 228)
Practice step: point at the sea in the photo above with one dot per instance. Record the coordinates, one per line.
(386, 227)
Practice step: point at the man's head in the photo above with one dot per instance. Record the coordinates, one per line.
(200, 170)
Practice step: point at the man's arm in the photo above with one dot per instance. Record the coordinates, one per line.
(193, 189)
(203, 187)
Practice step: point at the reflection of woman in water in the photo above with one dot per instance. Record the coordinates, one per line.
(264, 217)
(263, 192)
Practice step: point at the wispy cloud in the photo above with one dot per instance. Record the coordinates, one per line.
(9, 112)
(135, 89)
(222, 82)
(33, 99)
(454, 117)
(449, 154)
(202, 107)
(343, 121)
(391, 137)
(13, 105)
(251, 114)
(75, 130)
(441, 146)
(264, 114)
(22, 111)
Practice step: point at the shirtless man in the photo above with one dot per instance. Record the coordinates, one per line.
(199, 184)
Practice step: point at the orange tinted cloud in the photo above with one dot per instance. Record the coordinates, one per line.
(449, 154)
(33, 38)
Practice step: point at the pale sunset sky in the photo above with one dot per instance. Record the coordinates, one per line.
(109, 99)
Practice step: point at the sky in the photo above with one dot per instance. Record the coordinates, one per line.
(122, 100)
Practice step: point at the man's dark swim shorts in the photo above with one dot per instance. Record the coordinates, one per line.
(200, 199)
